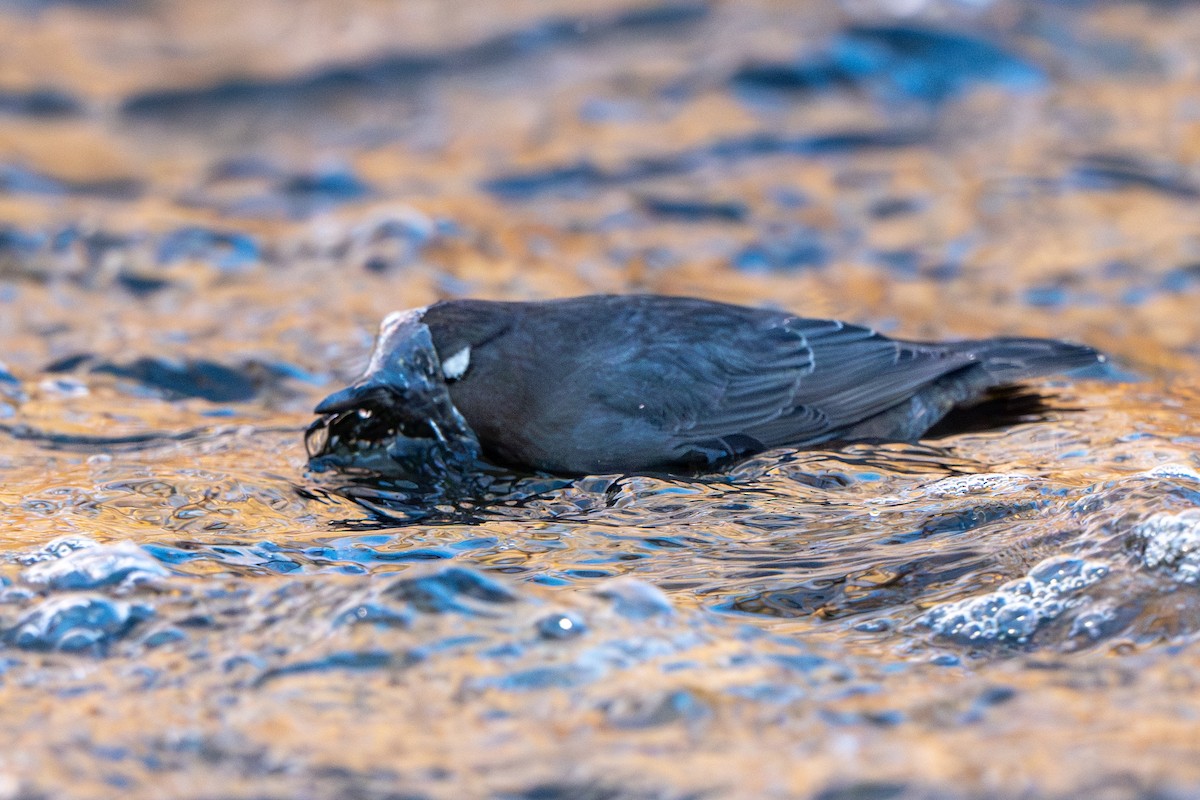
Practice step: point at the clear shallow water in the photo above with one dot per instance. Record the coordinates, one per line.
(204, 224)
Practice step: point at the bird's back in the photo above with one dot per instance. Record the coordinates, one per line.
(619, 383)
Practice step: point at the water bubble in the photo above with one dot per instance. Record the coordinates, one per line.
(1017, 622)
(1014, 612)
(561, 626)
(1093, 624)
(1172, 541)
(1067, 575)
(986, 484)
(374, 613)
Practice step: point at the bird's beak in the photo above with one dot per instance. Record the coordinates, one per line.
(403, 372)
(361, 395)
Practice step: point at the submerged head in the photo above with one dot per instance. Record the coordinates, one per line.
(398, 417)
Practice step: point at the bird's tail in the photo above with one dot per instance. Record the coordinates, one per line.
(1014, 359)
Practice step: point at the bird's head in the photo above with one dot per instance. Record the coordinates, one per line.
(398, 417)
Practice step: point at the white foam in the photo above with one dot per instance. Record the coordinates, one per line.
(1173, 470)
(1172, 540)
(1014, 611)
(987, 483)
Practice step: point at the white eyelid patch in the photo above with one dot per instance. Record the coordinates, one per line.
(454, 366)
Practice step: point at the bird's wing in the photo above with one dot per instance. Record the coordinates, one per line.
(788, 380)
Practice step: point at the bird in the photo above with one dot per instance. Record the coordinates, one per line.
(605, 384)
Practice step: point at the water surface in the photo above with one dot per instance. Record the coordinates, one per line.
(203, 223)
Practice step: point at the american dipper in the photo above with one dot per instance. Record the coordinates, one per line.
(614, 383)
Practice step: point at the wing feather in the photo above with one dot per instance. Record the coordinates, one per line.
(787, 380)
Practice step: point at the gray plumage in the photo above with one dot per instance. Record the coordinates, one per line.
(625, 383)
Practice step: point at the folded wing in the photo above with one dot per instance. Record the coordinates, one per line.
(786, 381)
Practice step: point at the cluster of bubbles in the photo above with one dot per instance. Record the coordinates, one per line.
(1013, 612)
(1172, 541)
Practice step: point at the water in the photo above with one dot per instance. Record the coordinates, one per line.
(203, 223)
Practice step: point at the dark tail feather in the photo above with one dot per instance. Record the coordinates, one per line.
(999, 408)
(1011, 359)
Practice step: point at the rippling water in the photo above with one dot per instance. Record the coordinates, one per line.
(203, 221)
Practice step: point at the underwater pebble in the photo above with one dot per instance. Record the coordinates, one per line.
(634, 599)
(988, 698)
(326, 187)
(175, 380)
(63, 387)
(783, 249)
(930, 63)
(1181, 279)
(1118, 171)
(19, 180)
(390, 242)
(579, 178)
(98, 566)
(228, 251)
(812, 666)
(905, 60)
(75, 623)
(1014, 612)
(1172, 540)
(40, 103)
(142, 285)
(694, 209)
(542, 678)
(164, 636)
(633, 713)
(17, 245)
(450, 589)
(352, 660)
(10, 386)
